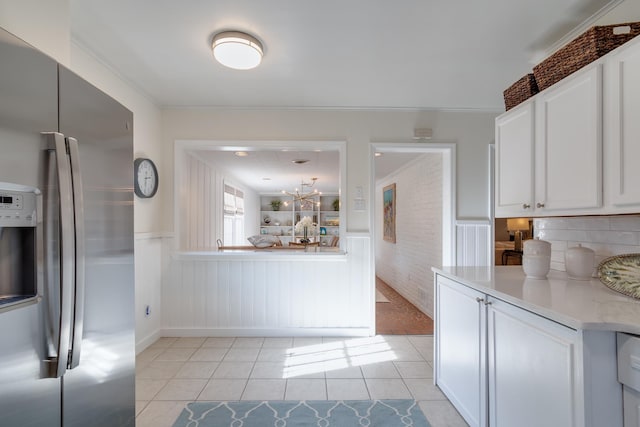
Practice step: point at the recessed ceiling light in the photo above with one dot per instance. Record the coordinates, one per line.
(299, 161)
(237, 50)
(241, 153)
(378, 154)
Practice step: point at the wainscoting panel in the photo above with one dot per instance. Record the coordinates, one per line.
(267, 294)
(474, 243)
(199, 205)
(148, 278)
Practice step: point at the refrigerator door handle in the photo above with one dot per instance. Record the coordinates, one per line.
(78, 207)
(58, 155)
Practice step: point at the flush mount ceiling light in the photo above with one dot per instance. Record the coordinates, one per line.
(237, 50)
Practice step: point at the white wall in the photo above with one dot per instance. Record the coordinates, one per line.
(146, 131)
(200, 198)
(43, 24)
(148, 276)
(198, 201)
(270, 294)
(627, 11)
(471, 131)
(606, 235)
(406, 264)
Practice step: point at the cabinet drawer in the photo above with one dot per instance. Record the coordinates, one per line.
(629, 360)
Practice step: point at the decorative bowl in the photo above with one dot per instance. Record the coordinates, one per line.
(622, 274)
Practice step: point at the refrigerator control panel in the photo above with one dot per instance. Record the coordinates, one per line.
(10, 201)
(18, 206)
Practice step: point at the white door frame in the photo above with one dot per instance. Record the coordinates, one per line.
(448, 151)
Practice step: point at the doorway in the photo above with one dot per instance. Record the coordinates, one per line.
(421, 222)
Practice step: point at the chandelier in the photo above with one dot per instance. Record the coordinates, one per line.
(305, 198)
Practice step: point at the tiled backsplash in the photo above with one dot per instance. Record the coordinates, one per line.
(606, 235)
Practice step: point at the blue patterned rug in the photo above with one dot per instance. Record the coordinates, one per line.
(303, 413)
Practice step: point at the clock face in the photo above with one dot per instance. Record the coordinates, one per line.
(145, 178)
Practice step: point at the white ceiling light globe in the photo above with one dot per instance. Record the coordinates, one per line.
(237, 50)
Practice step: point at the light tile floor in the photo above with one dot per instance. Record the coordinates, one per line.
(175, 371)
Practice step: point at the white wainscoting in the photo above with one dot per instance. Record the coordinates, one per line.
(474, 243)
(148, 279)
(270, 294)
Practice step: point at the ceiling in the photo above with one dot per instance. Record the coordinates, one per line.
(277, 166)
(274, 170)
(380, 54)
(353, 54)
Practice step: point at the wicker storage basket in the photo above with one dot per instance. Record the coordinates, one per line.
(520, 91)
(584, 49)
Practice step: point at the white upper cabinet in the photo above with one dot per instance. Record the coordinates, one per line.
(585, 135)
(514, 161)
(623, 127)
(549, 150)
(569, 144)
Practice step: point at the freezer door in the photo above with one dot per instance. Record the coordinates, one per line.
(28, 106)
(99, 391)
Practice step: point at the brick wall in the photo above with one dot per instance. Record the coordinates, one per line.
(606, 235)
(406, 265)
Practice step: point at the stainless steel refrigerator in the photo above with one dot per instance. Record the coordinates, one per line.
(66, 247)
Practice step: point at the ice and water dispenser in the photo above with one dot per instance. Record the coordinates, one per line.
(19, 209)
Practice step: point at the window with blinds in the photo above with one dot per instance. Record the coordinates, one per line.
(233, 216)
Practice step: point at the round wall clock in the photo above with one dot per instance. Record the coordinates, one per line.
(145, 178)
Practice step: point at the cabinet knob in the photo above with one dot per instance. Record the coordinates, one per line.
(478, 299)
(526, 206)
(539, 205)
(488, 303)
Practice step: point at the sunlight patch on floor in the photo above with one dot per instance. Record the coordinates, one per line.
(336, 355)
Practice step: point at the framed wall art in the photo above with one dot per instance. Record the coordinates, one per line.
(389, 213)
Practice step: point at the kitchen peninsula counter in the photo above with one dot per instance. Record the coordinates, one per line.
(510, 350)
(586, 305)
(275, 254)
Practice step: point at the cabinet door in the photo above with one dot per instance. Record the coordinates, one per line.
(460, 349)
(569, 144)
(623, 107)
(631, 407)
(514, 161)
(533, 370)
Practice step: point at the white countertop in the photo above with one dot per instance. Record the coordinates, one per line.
(588, 305)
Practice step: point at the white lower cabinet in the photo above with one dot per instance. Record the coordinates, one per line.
(501, 365)
(631, 407)
(532, 369)
(629, 375)
(460, 349)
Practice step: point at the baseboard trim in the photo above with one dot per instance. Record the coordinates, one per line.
(145, 342)
(259, 332)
